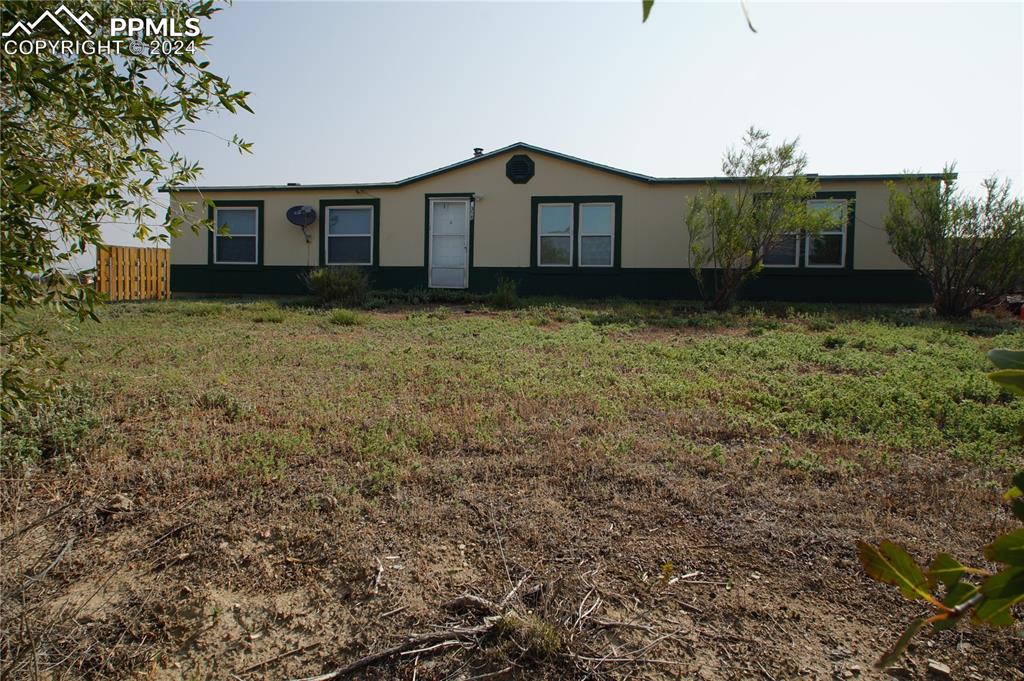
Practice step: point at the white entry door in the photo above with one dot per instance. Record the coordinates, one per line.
(449, 243)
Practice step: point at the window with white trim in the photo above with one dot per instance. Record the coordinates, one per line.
(785, 252)
(827, 249)
(349, 235)
(554, 234)
(596, 234)
(236, 235)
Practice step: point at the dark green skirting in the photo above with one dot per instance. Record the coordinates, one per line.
(826, 286)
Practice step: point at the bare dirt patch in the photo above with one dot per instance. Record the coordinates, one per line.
(709, 571)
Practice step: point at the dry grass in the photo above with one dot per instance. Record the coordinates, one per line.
(646, 491)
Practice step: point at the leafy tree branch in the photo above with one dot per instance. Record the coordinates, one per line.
(79, 134)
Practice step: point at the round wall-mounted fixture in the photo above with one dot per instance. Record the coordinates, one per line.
(303, 216)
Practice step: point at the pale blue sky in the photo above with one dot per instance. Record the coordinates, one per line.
(357, 92)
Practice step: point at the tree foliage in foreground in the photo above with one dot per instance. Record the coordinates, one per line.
(970, 249)
(985, 596)
(648, 5)
(731, 227)
(78, 134)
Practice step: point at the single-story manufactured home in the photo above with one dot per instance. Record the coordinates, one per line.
(555, 224)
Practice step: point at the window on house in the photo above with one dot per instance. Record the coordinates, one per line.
(597, 228)
(828, 249)
(349, 235)
(785, 252)
(236, 239)
(554, 243)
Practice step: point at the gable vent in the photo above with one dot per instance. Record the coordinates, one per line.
(519, 169)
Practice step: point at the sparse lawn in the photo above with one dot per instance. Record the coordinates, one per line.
(295, 474)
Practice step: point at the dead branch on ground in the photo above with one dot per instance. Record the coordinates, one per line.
(570, 630)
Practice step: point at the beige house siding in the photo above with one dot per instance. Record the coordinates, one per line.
(652, 227)
(188, 248)
(653, 231)
(871, 250)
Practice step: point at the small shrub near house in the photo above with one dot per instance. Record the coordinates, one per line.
(342, 317)
(268, 317)
(506, 294)
(349, 286)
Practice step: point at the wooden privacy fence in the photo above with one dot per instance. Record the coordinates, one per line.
(133, 273)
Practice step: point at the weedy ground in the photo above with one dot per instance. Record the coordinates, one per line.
(262, 489)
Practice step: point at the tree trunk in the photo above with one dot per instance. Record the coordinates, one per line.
(724, 297)
(951, 307)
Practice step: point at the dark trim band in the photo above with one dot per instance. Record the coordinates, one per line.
(808, 286)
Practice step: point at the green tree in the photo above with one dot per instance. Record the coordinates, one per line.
(78, 134)
(764, 203)
(970, 249)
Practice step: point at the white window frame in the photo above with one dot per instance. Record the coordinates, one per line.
(842, 231)
(328, 236)
(541, 235)
(255, 235)
(580, 235)
(796, 252)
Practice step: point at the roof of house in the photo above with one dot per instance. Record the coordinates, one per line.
(522, 146)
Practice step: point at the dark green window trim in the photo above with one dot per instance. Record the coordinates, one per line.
(801, 267)
(322, 232)
(575, 268)
(258, 205)
(426, 230)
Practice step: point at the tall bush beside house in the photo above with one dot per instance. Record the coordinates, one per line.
(970, 249)
(731, 228)
(80, 137)
(348, 286)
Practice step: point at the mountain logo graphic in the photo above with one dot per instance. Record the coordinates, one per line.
(52, 16)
